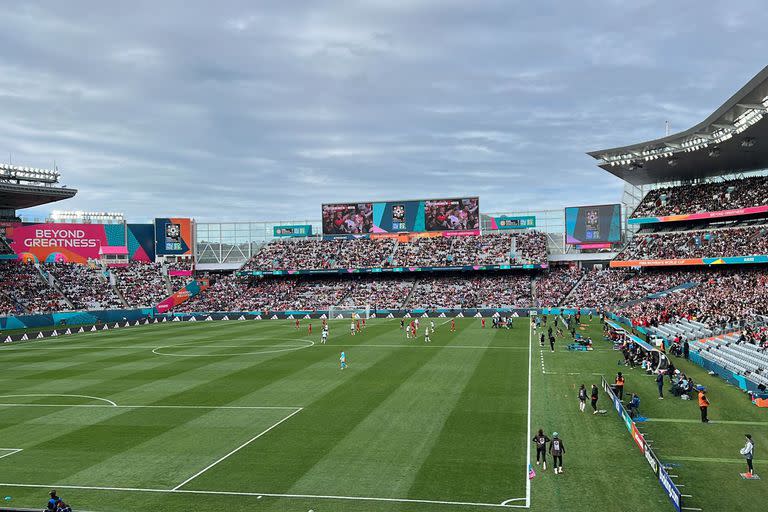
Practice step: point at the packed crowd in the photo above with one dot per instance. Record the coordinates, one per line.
(322, 254)
(698, 244)
(141, 284)
(704, 197)
(178, 281)
(722, 298)
(24, 286)
(493, 249)
(86, 286)
(553, 286)
(608, 288)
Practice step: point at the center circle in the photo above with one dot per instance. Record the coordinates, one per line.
(272, 348)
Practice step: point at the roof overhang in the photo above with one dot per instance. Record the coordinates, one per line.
(733, 139)
(19, 196)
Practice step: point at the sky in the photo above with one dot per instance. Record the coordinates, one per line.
(260, 111)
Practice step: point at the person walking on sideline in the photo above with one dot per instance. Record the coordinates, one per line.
(541, 440)
(557, 450)
(660, 384)
(594, 397)
(748, 451)
(703, 404)
(582, 398)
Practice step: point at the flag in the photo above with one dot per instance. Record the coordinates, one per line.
(531, 472)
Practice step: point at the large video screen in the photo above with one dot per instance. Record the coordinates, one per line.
(452, 214)
(455, 215)
(593, 224)
(347, 218)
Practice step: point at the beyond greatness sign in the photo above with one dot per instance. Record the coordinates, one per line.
(58, 242)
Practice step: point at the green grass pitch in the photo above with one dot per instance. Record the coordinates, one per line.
(255, 415)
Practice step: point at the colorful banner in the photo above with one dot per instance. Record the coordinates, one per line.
(292, 231)
(180, 273)
(703, 215)
(76, 243)
(190, 290)
(387, 270)
(173, 237)
(731, 260)
(430, 215)
(505, 222)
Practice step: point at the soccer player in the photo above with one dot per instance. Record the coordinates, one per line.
(363, 323)
(310, 327)
(594, 396)
(343, 360)
(748, 452)
(582, 398)
(352, 328)
(541, 440)
(432, 325)
(324, 339)
(453, 325)
(427, 331)
(402, 324)
(551, 343)
(297, 324)
(482, 321)
(416, 323)
(541, 340)
(357, 325)
(414, 327)
(557, 449)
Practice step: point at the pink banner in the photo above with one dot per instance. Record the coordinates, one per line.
(58, 242)
(180, 273)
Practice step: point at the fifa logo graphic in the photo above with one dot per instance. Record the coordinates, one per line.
(172, 237)
(398, 217)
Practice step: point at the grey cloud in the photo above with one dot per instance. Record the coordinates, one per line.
(241, 111)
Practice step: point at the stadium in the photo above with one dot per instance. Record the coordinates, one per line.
(400, 354)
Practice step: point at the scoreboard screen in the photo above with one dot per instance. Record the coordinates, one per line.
(593, 224)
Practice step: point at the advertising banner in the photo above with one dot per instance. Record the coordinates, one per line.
(173, 237)
(505, 222)
(292, 231)
(731, 260)
(74, 243)
(702, 215)
(190, 290)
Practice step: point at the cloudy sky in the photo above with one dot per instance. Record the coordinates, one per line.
(243, 110)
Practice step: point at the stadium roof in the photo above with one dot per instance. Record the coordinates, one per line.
(733, 139)
(25, 187)
(18, 196)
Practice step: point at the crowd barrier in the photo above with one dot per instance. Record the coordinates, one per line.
(672, 491)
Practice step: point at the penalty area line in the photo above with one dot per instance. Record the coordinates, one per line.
(272, 495)
(182, 484)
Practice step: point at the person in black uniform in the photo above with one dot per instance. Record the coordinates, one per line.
(557, 449)
(541, 440)
(594, 396)
(552, 343)
(541, 340)
(582, 398)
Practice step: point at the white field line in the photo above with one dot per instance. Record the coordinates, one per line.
(267, 494)
(40, 395)
(210, 407)
(10, 451)
(528, 435)
(182, 484)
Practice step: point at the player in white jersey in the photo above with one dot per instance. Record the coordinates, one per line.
(432, 325)
(352, 328)
(427, 332)
(417, 324)
(325, 336)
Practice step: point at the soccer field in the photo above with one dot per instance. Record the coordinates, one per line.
(258, 415)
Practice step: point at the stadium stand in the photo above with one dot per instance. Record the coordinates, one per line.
(523, 248)
(26, 287)
(86, 286)
(552, 287)
(704, 197)
(141, 284)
